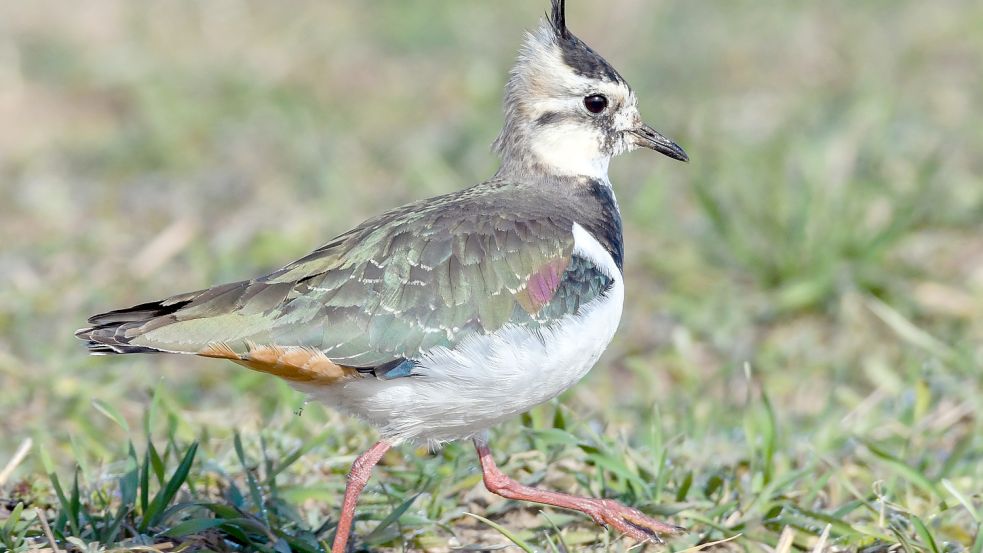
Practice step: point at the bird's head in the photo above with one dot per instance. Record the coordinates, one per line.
(567, 111)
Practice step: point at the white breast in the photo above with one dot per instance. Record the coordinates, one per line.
(487, 379)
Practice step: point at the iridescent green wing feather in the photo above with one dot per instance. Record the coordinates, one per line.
(423, 276)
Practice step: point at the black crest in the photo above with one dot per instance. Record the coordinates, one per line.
(558, 19)
(580, 57)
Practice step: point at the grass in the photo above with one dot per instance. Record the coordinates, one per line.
(798, 367)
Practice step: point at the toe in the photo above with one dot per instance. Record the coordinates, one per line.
(635, 524)
(654, 528)
(643, 532)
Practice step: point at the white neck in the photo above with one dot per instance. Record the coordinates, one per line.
(570, 152)
(558, 162)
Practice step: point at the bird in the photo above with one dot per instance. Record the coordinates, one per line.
(440, 319)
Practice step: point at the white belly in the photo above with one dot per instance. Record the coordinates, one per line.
(487, 379)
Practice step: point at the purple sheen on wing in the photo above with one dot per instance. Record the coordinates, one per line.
(544, 283)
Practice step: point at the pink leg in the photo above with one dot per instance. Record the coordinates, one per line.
(358, 476)
(604, 511)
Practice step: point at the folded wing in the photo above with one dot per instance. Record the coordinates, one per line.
(413, 279)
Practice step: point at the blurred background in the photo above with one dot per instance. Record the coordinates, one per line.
(822, 254)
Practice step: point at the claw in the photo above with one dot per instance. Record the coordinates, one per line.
(647, 531)
(631, 521)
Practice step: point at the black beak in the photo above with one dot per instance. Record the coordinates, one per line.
(647, 137)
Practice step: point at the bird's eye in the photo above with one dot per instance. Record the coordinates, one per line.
(596, 103)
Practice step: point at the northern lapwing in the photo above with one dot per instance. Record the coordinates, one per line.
(440, 319)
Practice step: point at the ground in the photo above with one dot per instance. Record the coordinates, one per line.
(798, 367)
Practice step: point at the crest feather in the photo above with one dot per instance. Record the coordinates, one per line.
(558, 19)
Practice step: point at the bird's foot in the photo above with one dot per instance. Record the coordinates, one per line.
(605, 512)
(627, 520)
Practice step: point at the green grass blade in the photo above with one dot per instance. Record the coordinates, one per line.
(109, 533)
(166, 494)
(193, 526)
(617, 466)
(684, 487)
(150, 417)
(559, 534)
(390, 519)
(129, 483)
(64, 516)
(770, 437)
(838, 527)
(521, 544)
(76, 501)
(254, 492)
(145, 482)
(903, 541)
(112, 414)
(13, 519)
(907, 472)
(962, 499)
(156, 462)
(925, 534)
(221, 510)
(300, 452)
(234, 496)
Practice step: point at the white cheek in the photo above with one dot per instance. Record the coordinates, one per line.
(571, 150)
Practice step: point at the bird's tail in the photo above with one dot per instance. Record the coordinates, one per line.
(194, 321)
(111, 332)
(116, 331)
